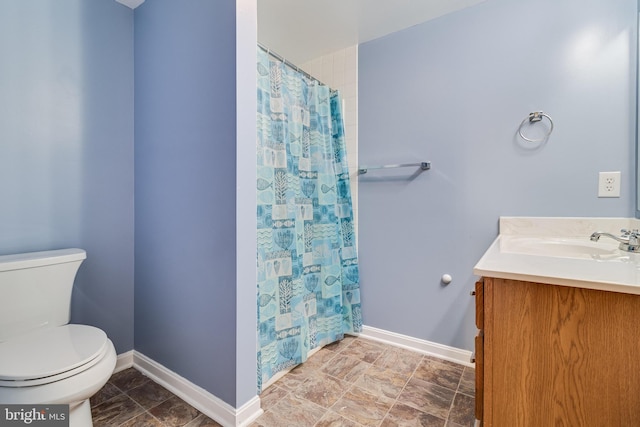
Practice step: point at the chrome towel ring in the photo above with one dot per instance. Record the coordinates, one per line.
(536, 116)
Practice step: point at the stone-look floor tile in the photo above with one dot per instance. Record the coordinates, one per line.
(340, 345)
(468, 382)
(270, 419)
(128, 379)
(463, 410)
(319, 358)
(290, 401)
(291, 412)
(441, 372)
(271, 396)
(323, 390)
(315, 362)
(382, 381)
(149, 394)
(331, 419)
(405, 416)
(294, 378)
(174, 412)
(115, 411)
(203, 421)
(362, 407)
(400, 360)
(427, 397)
(142, 420)
(345, 367)
(105, 393)
(367, 351)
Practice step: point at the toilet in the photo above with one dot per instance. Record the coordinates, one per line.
(43, 358)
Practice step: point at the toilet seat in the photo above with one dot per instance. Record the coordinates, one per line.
(47, 355)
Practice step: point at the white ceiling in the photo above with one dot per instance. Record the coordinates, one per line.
(131, 3)
(301, 30)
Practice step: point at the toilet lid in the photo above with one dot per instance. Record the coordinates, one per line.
(44, 355)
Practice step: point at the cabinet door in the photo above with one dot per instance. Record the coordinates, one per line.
(479, 375)
(480, 304)
(479, 344)
(560, 356)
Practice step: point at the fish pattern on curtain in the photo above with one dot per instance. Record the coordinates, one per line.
(308, 280)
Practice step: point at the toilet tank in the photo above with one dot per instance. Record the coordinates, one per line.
(35, 289)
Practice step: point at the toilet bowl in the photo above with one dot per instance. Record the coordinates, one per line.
(66, 364)
(43, 359)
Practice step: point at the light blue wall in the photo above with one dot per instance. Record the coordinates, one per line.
(453, 91)
(66, 147)
(185, 167)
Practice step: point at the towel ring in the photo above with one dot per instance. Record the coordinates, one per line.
(536, 116)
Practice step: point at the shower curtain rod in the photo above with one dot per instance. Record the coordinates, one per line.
(292, 65)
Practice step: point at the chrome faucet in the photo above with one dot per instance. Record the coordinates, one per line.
(629, 241)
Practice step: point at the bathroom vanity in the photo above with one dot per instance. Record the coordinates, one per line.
(559, 326)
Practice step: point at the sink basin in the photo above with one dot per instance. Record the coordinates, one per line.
(558, 251)
(581, 248)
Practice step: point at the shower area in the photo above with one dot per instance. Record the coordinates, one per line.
(307, 265)
(310, 52)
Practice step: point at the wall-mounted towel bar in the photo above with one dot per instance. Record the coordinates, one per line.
(423, 165)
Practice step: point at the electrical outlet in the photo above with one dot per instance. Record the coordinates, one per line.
(609, 184)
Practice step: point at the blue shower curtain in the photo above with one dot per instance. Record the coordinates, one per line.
(308, 280)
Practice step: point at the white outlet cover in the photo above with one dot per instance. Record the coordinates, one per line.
(609, 184)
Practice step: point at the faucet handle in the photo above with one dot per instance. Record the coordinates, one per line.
(633, 238)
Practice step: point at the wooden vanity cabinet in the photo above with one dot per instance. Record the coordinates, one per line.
(550, 355)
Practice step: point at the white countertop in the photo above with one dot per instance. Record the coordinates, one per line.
(558, 251)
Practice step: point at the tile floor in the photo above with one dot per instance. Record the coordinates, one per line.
(131, 399)
(354, 382)
(359, 382)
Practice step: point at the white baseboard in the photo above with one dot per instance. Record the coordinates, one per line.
(421, 346)
(199, 398)
(124, 361)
